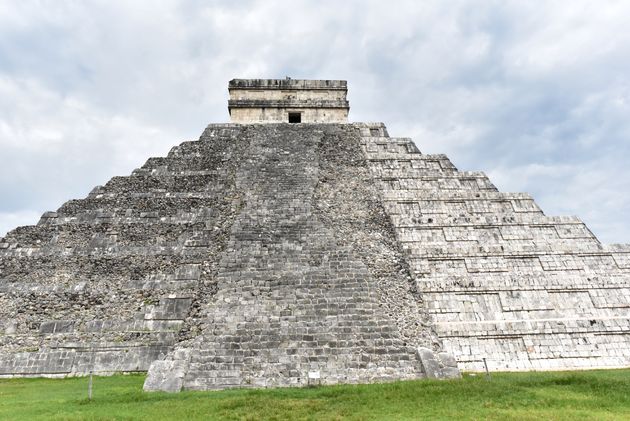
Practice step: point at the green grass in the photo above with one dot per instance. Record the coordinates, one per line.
(597, 395)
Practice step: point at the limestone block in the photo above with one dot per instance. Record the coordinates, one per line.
(610, 297)
(56, 326)
(573, 231)
(440, 366)
(560, 262)
(167, 375)
(525, 300)
(486, 264)
(47, 362)
(599, 263)
(516, 232)
(430, 365)
(188, 272)
(622, 260)
(543, 232)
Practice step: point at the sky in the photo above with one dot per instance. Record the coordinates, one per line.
(535, 94)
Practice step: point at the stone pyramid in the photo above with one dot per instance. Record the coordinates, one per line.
(270, 253)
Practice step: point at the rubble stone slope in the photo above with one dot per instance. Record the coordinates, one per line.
(110, 282)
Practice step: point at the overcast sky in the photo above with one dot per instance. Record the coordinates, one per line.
(536, 94)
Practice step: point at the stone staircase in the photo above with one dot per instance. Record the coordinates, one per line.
(295, 305)
(251, 257)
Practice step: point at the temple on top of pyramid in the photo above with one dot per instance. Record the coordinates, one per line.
(288, 101)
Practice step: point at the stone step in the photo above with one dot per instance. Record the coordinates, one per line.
(531, 281)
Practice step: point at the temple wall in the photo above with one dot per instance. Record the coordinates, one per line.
(276, 115)
(271, 100)
(288, 94)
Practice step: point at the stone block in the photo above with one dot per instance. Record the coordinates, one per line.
(166, 376)
(430, 365)
(56, 326)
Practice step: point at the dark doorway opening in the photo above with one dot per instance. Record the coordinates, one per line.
(295, 117)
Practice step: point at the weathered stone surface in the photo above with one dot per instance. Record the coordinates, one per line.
(297, 293)
(168, 375)
(252, 257)
(56, 326)
(440, 365)
(501, 280)
(430, 364)
(288, 255)
(116, 279)
(272, 100)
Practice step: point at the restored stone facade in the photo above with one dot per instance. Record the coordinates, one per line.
(295, 254)
(276, 100)
(501, 280)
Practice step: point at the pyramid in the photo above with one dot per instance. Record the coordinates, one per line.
(291, 247)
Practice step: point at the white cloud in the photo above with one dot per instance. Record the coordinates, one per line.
(55, 148)
(565, 37)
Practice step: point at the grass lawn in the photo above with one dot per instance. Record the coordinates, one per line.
(597, 395)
